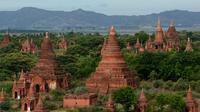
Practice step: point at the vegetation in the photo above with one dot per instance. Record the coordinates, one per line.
(163, 76)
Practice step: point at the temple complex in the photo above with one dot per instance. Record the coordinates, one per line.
(28, 46)
(63, 44)
(191, 104)
(112, 71)
(142, 103)
(2, 97)
(189, 46)
(6, 40)
(164, 41)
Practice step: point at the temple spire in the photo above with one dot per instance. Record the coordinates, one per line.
(2, 97)
(189, 46)
(112, 31)
(189, 94)
(142, 106)
(171, 23)
(46, 35)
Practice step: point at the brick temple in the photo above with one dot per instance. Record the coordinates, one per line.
(189, 46)
(112, 71)
(6, 40)
(28, 46)
(191, 103)
(45, 76)
(164, 41)
(63, 44)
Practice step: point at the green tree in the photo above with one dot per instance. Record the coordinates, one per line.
(125, 96)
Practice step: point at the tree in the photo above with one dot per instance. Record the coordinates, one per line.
(125, 96)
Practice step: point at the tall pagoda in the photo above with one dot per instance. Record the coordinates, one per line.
(6, 40)
(112, 71)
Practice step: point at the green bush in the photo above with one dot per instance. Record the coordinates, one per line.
(168, 85)
(57, 94)
(5, 106)
(158, 83)
(181, 84)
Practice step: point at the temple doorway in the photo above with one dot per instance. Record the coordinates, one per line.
(37, 88)
(46, 87)
(15, 94)
(25, 107)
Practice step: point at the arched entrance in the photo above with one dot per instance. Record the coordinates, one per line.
(37, 88)
(46, 87)
(15, 95)
(25, 107)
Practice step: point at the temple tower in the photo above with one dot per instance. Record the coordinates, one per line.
(109, 105)
(189, 46)
(28, 46)
(191, 104)
(46, 75)
(142, 102)
(159, 39)
(112, 71)
(40, 107)
(6, 40)
(2, 97)
(63, 44)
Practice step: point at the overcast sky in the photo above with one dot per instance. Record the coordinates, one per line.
(109, 7)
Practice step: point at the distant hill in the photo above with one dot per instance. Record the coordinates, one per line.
(34, 18)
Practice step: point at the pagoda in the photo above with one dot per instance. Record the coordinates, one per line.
(29, 102)
(172, 39)
(21, 87)
(63, 44)
(28, 46)
(142, 102)
(112, 71)
(109, 105)
(46, 75)
(2, 97)
(6, 40)
(40, 107)
(189, 46)
(191, 104)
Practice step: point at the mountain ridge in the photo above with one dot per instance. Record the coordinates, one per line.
(36, 18)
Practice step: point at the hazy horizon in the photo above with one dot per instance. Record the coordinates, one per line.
(108, 7)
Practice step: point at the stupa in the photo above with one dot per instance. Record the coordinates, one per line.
(112, 71)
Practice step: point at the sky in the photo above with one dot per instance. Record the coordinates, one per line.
(108, 7)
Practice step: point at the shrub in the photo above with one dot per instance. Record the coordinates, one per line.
(158, 84)
(168, 85)
(5, 105)
(181, 84)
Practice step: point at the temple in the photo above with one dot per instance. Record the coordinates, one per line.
(164, 41)
(112, 71)
(46, 75)
(43, 77)
(2, 97)
(189, 46)
(28, 46)
(21, 87)
(142, 103)
(6, 40)
(40, 107)
(191, 104)
(109, 105)
(63, 44)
